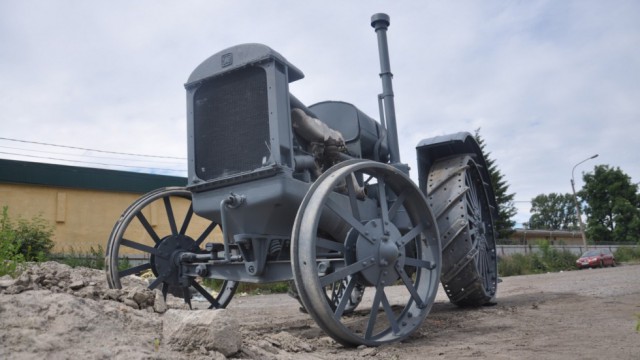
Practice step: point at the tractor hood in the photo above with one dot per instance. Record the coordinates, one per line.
(237, 57)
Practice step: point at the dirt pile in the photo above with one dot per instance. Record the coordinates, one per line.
(54, 311)
(80, 282)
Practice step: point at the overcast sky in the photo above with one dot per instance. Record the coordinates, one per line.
(549, 83)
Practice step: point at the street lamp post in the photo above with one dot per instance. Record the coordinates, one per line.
(575, 199)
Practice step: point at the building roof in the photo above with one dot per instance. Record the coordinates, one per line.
(22, 172)
(542, 232)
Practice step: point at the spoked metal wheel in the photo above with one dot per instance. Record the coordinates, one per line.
(154, 230)
(366, 224)
(457, 191)
(335, 292)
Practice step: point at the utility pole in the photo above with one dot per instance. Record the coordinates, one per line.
(575, 199)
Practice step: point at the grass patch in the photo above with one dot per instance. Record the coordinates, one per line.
(627, 254)
(23, 240)
(280, 287)
(551, 260)
(93, 259)
(547, 260)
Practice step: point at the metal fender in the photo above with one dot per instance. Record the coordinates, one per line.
(433, 149)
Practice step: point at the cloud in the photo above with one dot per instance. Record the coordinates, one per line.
(549, 83)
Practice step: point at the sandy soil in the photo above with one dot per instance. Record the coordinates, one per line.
(588, 314)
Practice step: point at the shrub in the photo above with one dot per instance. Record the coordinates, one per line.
(24, 240)
(9, 258)
(516, 264)
(627, 254)
(93, 259)
(251, 288)
(548, 260)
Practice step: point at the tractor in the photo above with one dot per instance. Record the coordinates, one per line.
(317, 196)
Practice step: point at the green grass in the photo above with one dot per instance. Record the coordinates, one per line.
(21, 241)
(525, 264)
(626, 254)
(547, 260)
(551, 260)
(93, 259)
(253, 289)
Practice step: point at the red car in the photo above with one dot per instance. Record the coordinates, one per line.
(596, 258)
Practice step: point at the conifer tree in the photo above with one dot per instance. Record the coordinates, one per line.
(506, 208)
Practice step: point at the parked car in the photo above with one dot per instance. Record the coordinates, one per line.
(596, 258)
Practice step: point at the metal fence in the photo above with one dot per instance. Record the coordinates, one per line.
(506, 250)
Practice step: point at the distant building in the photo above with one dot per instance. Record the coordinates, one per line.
(82, 203)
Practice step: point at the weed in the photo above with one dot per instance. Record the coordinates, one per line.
(93, 259)
(548, 260)
(124, 264)
(253, 289)
(21, 241)
(627, 254)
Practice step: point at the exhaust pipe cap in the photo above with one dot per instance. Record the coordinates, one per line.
(380, 20)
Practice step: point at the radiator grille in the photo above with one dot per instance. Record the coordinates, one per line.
(231, 129)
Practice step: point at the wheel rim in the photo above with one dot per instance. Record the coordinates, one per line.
(478, 213)
(159, 237)
(379, 249)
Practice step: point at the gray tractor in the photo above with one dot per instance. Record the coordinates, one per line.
(315, 195)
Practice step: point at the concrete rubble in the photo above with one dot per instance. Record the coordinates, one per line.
(54, 311)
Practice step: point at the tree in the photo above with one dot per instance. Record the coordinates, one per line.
(506, 208)
(612, 205)
(553, 212)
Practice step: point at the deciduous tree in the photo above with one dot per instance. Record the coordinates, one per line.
(553, 212)
(612, 206)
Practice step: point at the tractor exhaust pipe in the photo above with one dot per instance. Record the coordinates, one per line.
(380, 22)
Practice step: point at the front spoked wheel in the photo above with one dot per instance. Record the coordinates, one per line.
(364, 223)
(151, 234)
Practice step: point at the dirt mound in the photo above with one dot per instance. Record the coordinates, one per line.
(79, 282)
(54, 311)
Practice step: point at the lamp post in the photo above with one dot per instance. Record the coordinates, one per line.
(575, 199)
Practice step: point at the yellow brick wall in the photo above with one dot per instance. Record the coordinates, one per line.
(83, 219)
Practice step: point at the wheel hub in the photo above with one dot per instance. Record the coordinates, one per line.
(388, 253)
(166, 263)
(380, 246)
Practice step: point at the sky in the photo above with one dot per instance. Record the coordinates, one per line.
(549, 83)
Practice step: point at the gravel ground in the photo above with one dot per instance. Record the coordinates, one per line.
(588, 314)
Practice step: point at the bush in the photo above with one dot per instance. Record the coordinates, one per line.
(93, 259)
(25, 240)
(9, 258)
(549, 260)
(516, 264)
(627, 254)
(251, 288)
